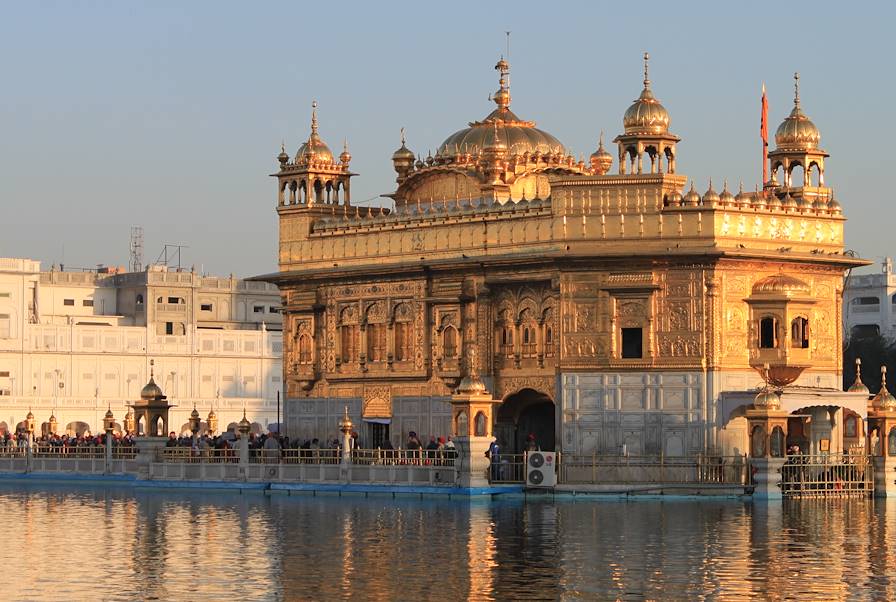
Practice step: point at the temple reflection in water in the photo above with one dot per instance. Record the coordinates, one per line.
(212, 546)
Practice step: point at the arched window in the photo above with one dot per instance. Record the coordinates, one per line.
(404, 343)
(304, 349)
(506, 347)
(850, 426)
(528, 329)
(768, 333)
(404, 333)
(462, 424)
(891, 442)
(777, 443)
(799, 333)
(349, 342)
(480, 426)
(449, 342)
(376, 342)
(757, 442)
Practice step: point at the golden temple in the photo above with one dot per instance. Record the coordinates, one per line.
(607, 309)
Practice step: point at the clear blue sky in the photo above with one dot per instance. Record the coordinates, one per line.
(169, 114)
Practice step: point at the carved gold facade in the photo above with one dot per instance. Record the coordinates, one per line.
(622, 300)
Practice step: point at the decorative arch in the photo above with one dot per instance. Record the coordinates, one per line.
(403, 332)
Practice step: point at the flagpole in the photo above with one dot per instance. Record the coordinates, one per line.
(763, 132)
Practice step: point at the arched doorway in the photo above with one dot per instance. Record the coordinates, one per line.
(523, 413)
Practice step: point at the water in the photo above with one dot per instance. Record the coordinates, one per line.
(117, 544)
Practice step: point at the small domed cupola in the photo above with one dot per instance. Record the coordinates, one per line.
(710, 197)
(858, 386)
(646, 134)
(692, 198)
(797, 142)
(601, 160)
(726, 199)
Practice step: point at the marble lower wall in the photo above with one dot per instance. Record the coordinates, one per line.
(648, 412)
(307, 418)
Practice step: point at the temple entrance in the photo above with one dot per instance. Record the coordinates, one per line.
(525, 413)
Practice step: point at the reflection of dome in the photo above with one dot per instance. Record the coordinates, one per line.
(797, 131)
(781, 284)
(646, 115)
(517, 135)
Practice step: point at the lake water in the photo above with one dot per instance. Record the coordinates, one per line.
(116, 544)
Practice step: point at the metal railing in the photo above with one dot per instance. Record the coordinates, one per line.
(597, 469)
(507, 468)
(187, 455)
(827, 475)
(383, 457)
(90, 452)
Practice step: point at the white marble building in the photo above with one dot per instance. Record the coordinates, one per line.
(869, 303)
(73, 344)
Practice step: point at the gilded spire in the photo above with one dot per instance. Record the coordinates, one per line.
(502, 96)
(313, 118)
(796, 89)
(646, 66)
(402, 137)
(858, 386)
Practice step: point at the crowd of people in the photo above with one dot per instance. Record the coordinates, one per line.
(271, 446)
(62, 444)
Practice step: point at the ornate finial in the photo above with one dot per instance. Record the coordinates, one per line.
(646, 65)
(402, 136)
(283, 146)
(883, 377)
(600, 142)
(151, 364)
(796, 88)
(765, 371)
(314, 118)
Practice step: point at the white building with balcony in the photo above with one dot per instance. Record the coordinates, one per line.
(869, 303)
(73, 344)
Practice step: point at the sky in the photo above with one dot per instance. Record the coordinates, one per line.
(168, 115)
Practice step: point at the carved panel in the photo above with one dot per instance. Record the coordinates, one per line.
(377, 401)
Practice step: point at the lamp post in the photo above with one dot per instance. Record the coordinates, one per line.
(243, 428)
(194, 426)
(212, 422)
(109, 426)
(29, 428)
(345, 427)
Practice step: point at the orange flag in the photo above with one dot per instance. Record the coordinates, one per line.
(763, 132)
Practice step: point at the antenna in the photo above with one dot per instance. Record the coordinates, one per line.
(135, 263)
(171, 256)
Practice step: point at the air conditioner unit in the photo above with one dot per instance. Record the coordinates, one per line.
(541, 469)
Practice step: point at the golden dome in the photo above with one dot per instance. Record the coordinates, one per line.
(646, 115)
(742, 199)
(767, 398)
(517, 135)
(797, 131)
(151, 390)
(314, 149)
(726, 198)
(884, 400)
(692, 198)
(346, 156)
(109, 415)
(403, 154)
(601, 160)
(781, 284)
(858, 386)
(710, 197)
(471, 385)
